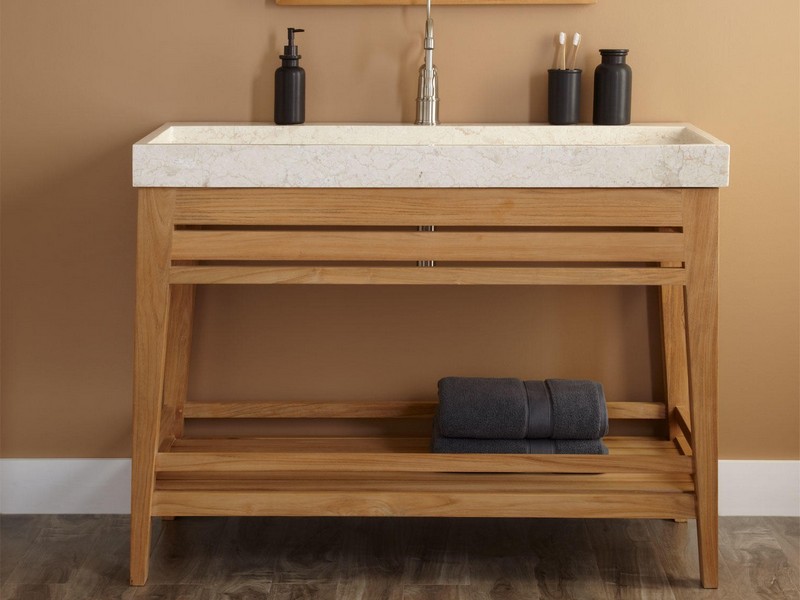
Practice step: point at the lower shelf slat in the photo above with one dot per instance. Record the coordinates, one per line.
(496, 503)
(362, 409)
(416, 462)
(427, 482)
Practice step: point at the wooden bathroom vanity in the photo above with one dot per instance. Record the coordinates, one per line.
(216, 207)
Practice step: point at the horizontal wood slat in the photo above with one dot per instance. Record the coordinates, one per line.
(414, 462)
(415, 245)
(383, 444)
(441, 482)
(428, 276)
(361, 409)
(443, 207)
(466, 503)
(302, 409)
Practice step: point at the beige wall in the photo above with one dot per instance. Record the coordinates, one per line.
(83, 79)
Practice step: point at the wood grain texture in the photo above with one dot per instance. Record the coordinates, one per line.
(191, 244)
(763, 570)
(413, 504)
(673, 335)
(451, 483)
(188, 547)
(444, 207)
(566, 564)
(701, 216)
(683, 446)
(17, 534)
(211, 462)
(154, 235)
(375, 476)
(439, 276)
(179, 347)
(627, 560)
(364, 558)
(364, 409)
(388, 445)
(682, 420)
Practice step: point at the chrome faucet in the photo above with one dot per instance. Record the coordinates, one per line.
(427, 101)
(428, 94)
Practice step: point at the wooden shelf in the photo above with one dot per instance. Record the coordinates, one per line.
(399, 477)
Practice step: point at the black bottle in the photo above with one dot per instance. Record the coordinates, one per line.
(612, 89)
(290, 86)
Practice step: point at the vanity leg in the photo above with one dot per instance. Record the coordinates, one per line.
(179, 348)
(673, 335)
(153, 242)
(700, 230)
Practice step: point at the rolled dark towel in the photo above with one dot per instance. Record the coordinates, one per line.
(510, 409)
(473, 446)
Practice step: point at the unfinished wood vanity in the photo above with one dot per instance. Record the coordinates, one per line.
(290, 235)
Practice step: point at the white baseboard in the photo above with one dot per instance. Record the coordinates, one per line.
(65, 485)
(769, 488)
(97, 486)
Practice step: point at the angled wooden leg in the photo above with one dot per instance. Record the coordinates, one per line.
(673, 334)
(676, 370)
(700, 229)
(154, 235)
(176, 370)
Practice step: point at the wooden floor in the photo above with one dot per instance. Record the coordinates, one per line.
(86, 558)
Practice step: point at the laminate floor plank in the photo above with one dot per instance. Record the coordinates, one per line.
(17, 533)
(310, 551)
(566, 565)
(627, 560)
(373, 560)
(102, 574)
(35, 591)
(86, 558)
(303, 591)
(434, 592)
(502, 565)
(243, 591)
(174, 592)
(786, 531)
(249, 550)
(436, 553)
(185, 550)
(676, 548)
(759, 567)
(61, 546)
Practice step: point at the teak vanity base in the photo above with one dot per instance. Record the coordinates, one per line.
(662, 237)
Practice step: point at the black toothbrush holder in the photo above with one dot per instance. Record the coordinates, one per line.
(563, 96)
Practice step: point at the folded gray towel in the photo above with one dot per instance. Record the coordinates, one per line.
(510, 409)
(473, 446)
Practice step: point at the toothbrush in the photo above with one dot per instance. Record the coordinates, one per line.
(576, 43)
(562, 50)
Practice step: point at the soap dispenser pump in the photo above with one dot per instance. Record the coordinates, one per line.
(290, 85)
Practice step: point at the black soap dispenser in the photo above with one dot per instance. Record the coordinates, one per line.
(290, 86)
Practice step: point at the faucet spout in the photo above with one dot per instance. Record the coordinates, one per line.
(427, 90)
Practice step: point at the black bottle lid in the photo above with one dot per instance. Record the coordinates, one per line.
(290, 50)
(613, 52)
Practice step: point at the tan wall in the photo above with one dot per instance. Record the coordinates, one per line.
(83, 79)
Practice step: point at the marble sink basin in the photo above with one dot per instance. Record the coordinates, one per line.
(366, 155)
